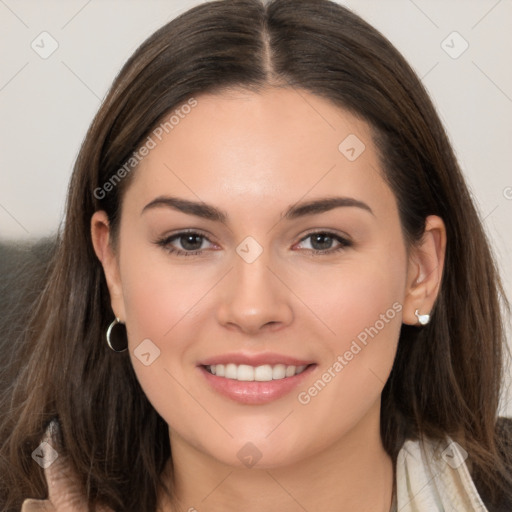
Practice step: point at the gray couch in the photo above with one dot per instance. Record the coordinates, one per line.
(22, 270)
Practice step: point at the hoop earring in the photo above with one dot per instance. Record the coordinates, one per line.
(422, 319)
(109, 334)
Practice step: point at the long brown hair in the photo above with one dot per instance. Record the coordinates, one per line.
(446, 378)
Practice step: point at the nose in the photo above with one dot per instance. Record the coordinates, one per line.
(253, 297)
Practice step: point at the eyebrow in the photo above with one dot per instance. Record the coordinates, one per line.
(209, 212)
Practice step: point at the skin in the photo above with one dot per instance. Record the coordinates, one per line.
(253, 156)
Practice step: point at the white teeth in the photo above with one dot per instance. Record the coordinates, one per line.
(279, 371)
(263, 373)
(230, 371)
(247, 373)
(290, 371)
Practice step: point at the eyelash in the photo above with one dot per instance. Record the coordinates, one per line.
(166, 241)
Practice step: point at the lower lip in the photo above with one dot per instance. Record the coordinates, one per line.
(254, 392)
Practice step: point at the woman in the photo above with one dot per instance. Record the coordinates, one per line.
(272, 289)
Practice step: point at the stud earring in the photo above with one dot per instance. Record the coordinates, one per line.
(422, 319)
(109, 335)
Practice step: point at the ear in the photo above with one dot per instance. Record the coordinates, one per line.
(103, 247)
(425, 271)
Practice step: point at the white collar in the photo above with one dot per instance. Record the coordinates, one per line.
(433, 476)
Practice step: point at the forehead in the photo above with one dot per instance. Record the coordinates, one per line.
(279, 143)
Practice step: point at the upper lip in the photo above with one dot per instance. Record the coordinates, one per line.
(255, 359)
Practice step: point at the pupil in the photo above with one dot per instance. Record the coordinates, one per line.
(190, 238)
(327, 240)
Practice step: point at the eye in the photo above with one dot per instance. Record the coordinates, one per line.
(321, 242)
(190, 241)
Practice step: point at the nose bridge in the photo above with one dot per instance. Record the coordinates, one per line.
(252, 275)
(254, 296)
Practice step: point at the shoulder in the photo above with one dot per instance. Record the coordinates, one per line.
(30, 505)
(504, 441)
(503, 435)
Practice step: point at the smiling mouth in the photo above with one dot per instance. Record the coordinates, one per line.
(247, 373)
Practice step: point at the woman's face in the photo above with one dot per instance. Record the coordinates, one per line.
(273, 278)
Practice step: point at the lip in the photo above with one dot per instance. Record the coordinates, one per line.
(253, 392)
(270, 358)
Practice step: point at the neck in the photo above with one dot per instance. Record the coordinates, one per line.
(354, 474)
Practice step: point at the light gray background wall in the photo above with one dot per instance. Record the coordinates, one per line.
(47, 100)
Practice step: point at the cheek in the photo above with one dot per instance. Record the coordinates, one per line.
(160, 296)
(363, 309)
(370, 301)
(364, 293)
(373, 317)
(162, 303)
